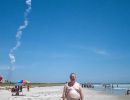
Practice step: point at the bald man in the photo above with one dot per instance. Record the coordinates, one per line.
(72, 90)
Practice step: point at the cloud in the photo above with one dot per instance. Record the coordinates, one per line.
(94, 50)
(19, 34)
(101, 52)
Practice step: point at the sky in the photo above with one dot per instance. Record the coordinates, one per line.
(88, 37)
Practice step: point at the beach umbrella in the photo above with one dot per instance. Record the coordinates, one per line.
(20, 81)
(25, 82)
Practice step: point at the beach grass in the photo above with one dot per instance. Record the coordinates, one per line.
(33, 84)
(45, 84)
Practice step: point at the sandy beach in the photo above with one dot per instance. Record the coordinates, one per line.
(55, 92)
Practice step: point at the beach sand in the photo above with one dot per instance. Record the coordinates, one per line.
(55, 93)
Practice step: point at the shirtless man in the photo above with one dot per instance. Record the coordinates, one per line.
(72, 90)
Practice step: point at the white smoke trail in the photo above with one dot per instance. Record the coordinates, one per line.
(19, 35)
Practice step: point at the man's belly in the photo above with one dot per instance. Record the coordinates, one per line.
(73, 95)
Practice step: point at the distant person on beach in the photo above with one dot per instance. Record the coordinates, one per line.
(72, 90)
(21, 88)
(28, 88)
(128, 92)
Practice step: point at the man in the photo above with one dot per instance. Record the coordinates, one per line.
(72, 90)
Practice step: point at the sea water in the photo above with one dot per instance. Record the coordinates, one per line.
(120, 89)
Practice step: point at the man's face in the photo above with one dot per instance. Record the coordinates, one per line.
(73, 77)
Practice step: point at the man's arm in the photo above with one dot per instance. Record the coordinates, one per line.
(81, 93)
(64, 92)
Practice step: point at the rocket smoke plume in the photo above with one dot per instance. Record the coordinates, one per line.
(19, 35)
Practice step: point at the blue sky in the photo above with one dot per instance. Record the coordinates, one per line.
(88, 37)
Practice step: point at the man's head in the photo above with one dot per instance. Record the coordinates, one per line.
(72, 77)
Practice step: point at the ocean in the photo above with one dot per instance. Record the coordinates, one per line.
(120, 89)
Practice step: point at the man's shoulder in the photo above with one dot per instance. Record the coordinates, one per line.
(66, 84)
(77, 83)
